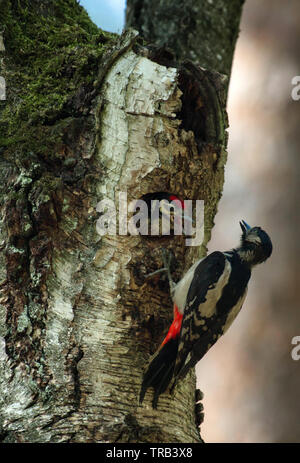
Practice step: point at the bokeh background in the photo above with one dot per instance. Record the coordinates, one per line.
(250, 382)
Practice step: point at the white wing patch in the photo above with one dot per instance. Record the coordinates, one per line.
(208, 307)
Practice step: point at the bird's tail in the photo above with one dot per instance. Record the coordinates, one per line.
(160, 371)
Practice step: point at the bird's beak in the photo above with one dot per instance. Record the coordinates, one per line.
(244, 226)
(177, 214)
(188, 223)
(187, 218)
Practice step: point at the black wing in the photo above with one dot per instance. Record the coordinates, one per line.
(215, 297)
(200, 324)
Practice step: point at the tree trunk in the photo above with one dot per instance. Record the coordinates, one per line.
(88, 115)
(203, 31)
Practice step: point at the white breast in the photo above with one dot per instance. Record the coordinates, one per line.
(181, 289)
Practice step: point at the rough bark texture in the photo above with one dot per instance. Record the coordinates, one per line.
(204, 31)
(78, 319)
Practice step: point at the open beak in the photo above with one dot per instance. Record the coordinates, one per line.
(187, 218)
(244, 226)
(188, 223)
(178, 214)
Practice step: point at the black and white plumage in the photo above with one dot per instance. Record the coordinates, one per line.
(206, 301)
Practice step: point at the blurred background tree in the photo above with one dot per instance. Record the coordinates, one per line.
(250, 375)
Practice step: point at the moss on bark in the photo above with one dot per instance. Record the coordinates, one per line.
(52, 56)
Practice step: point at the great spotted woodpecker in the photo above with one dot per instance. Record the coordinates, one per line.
(206, 301)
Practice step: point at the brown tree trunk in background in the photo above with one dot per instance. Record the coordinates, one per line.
(202, 31)
(89, 115)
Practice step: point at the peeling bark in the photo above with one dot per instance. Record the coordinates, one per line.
(78, 316)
